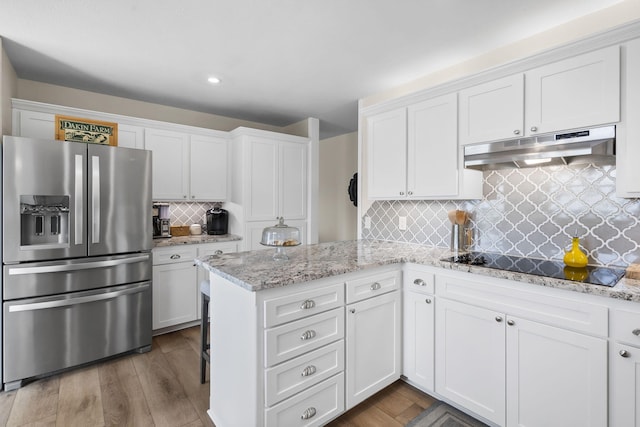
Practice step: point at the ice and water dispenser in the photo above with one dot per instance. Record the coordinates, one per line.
(44, 220)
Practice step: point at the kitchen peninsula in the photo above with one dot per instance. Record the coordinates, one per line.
(311, 337)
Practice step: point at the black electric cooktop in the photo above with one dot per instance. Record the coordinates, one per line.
(604, 276)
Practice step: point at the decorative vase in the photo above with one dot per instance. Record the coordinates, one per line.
(575, 257)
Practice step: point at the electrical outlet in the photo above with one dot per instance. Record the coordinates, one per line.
(367, 222)
(402, 222)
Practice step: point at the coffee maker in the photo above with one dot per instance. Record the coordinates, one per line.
(217, 221)
(161, 223)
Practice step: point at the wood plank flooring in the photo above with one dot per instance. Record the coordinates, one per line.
(162, 388)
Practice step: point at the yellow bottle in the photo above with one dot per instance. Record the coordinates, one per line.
(575, 257)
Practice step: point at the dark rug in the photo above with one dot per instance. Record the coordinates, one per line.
(442, 415)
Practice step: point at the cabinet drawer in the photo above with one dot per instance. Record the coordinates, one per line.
(293, 307)
(625, 326)
(504, 296)
(217, 248)
(293, 339)
(419, 281)
(312, 407)
(287, 379)
(370, 286)
(174, 254)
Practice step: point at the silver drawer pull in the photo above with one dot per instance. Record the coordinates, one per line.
(307, 304)
(307, 335)
(175, 256)
(428, 300)
(309, 370)
(218, 252)
(636, 332)
(375, 286)
(308, 413)
(419, 282)
(624, 353)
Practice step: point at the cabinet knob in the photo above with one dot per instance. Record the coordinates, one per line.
(498, 319)
(410, 192)
(510, 322)
(218, 252)
(307, 304)
(308, 413)
(375, 286)
(534, 129)
(636, 332)
(402, 193)
(307, 335)
(419, 282)
(175, 256)
(353, 310)
(193, 197)
(184, 196)
(428, 300)
(516, 132)
(309, 370)
(624, 353)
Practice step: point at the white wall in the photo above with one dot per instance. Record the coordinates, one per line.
(8, 89)
(337, 216)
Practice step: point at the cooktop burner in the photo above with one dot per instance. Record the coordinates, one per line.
(594, 275)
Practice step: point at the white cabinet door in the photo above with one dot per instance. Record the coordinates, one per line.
(470, 358)
(624, 396)
(418, 339)
(387, 155)
(373, 346)
(130, 136)
(262, 180)
(432, 148)
(574, 93)
(209, 157)
(170, 163)
(292, 199)
(561, 371)
(492, 111)
(33, 124)
(174, 294)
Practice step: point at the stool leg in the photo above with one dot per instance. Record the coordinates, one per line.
(204, 338)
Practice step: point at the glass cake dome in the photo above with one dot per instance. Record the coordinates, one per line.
(280, 236)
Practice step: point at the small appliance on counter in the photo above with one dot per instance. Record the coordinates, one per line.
(217, 221)
(161, 222)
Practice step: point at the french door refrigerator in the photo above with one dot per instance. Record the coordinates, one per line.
(76, 252)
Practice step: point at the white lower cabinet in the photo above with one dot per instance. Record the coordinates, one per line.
(625, 385)
(518, 372)
(373, 346)
(176, 283)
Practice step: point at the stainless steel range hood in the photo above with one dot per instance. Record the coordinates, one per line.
(594, 145)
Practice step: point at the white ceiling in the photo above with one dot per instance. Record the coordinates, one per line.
(280, 61)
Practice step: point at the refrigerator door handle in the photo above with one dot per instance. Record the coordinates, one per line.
(75, 301)
(95, 199)
(74, 267)
(79, 180)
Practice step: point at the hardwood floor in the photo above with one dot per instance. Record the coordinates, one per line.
(162, 388)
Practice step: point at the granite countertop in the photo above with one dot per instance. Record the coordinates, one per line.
(256, 270)
(194, 240)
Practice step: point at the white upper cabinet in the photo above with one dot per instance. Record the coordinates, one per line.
(578, 92)
(34, 124)
(432, 148)
(170, 163)
(188, 167)
(209, 157)
(582, 91)
(387, 155)
(413, 153)
(130, 136)
(492, 111)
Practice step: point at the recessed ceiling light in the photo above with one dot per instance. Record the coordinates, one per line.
(213, 80)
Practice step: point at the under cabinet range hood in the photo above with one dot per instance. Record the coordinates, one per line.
(594, 145)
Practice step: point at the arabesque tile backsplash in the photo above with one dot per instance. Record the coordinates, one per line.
(187, 213)
(530, 212)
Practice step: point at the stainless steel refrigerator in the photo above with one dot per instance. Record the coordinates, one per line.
(76, 251)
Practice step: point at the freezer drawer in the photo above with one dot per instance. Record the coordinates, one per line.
(38, 279)
(42, 335)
